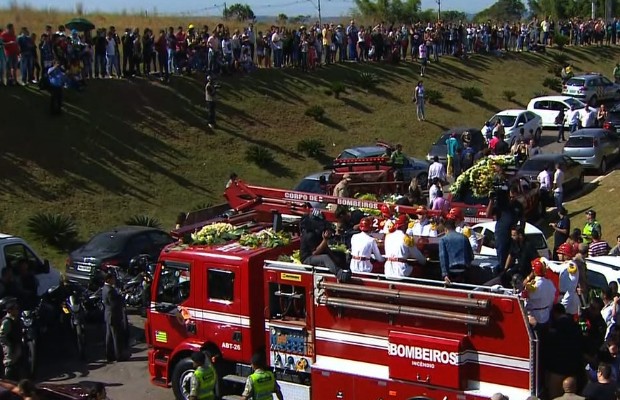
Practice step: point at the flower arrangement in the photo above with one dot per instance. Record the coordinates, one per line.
(265, 238)
(479, 178)
(217, 233)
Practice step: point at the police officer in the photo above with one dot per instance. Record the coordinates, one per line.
(262, 383)
(508, 212)
(202, 383)
(590, 226)
(210, 88)
(11, 338)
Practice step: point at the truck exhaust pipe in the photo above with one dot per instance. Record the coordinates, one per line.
(396, 309)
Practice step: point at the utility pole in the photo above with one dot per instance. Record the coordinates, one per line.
(593, 9)
(225, 11)
(319, 8)
(438, 10)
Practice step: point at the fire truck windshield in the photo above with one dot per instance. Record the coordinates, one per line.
(173, 283)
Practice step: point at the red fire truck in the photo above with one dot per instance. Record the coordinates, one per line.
(369, 338)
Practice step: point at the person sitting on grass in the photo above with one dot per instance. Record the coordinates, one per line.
(246, 61)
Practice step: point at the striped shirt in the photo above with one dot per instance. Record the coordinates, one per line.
(598, 248)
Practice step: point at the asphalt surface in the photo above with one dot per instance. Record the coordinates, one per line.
(130, 379)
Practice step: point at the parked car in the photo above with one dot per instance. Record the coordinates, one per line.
(573, 171)
(486, 230)
(594, 148)
(514, 120)
(592, 88)
(15, 249)
(440, 149)
(613, 119)
(312, 183)
(413, 168)
(602, 271)
(548, 107)
(115, 247)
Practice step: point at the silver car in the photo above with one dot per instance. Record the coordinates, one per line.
(593, 148)
(591, 88)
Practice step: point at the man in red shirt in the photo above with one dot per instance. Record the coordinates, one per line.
(11, 49)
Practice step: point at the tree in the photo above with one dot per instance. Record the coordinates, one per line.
(391, 11)
(300, 19)
(503, 10)
(242, 12)
(453, 16)
(282, 18)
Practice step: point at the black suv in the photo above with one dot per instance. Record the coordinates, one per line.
(115, 247)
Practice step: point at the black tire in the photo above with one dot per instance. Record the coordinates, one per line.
(80, 341)
(182, 370)
(31, 358)
(602, 169)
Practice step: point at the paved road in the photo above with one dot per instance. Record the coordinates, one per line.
(130, 380)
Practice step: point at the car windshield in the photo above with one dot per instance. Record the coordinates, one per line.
(309, 186)
(536, 165)
(574, 102)
(108, 242)
(442, 139)
(507, 120)
(576, 82)
(537, 240)
(580, 142)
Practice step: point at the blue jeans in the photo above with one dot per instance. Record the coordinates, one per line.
(352, 52)
(277, 58)
(100, 66)
(26, 65)
(113, 64)
(420, 108)
(171, 61)
(558, 198)
(572, 128)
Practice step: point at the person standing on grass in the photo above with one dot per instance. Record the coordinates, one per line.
(423, 57)
(418, 98)
(558, 183)
(210, 88)
(57, 80)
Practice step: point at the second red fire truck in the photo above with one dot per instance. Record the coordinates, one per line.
(369, 338)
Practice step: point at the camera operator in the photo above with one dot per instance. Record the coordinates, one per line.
(507, 211)
(314, 247)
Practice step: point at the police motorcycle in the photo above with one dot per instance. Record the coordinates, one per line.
(136, 290)
(30, 332)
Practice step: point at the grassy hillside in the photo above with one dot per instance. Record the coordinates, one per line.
(139, 147)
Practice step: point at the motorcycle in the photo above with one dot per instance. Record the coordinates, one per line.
(136, 291)
(74, 308)
(30, 322)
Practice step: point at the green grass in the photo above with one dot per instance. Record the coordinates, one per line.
(141, 148)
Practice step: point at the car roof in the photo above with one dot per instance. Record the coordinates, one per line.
(511, 112)
(364, 150)
(557, 98)
(589, 132)
(611, 262)
(316, 176)
(590, 75)
(128, 230)
(5, 236)
(490, 225)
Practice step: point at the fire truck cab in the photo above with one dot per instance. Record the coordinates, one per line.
(370, 338)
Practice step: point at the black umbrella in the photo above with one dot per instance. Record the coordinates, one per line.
(80, 24)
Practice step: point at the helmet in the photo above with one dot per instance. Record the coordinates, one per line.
(386, 210)
(566, 249)
(402, 220)
(8, 302)
(467, 232)
(538, 267)
(191, 26)
(365, 225)
(455, 214)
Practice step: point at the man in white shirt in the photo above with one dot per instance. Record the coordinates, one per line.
(363, 246)
(540, 293)
(398, 252)
(573, 119)
(588, 117)
(436, 170)
(558, 183)
(433, 191)
(422, 227)
(544, 178)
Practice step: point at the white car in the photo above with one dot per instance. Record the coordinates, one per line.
(514, 120)
(602, 271)
(548, 107)
(486, 231)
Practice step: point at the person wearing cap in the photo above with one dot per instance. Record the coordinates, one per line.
(261, 384)
(421, 226)
(568, 279)
(203, 380)
(590, 226)
(210, 89)
(398, 251)
(455, 254)
(11, 339)
(342, 188)
(561, 230)
(363, 247)
(456, 214)
(539, 293)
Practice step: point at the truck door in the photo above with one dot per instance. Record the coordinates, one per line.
(173, 297)
(221, 317)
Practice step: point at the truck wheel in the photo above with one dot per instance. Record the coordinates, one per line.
(180, 378)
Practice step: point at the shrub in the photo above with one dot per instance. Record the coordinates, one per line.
(471, 93)
(561, 40)
(311, 147)
(54, 229)
(555, 70)
(328, 92)
(561, 58)
(368, 80)
(143, 220)
(553, 83)
(259, 156)
(317, 112)
(433, 96)
(509, 95)
(540, 93)
(337, 88)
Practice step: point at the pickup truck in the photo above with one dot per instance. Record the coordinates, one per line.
(475, 208)
(14, 248)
